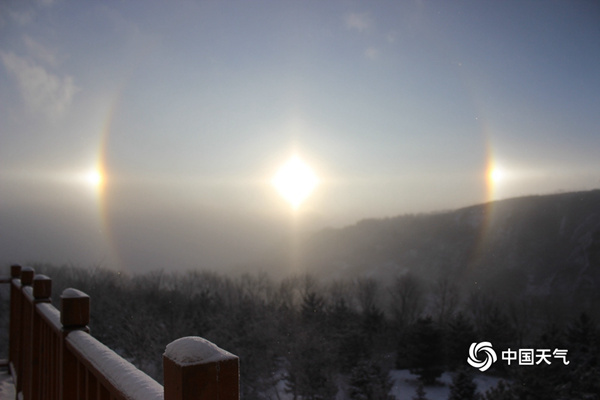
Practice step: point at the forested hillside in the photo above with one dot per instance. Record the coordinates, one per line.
(537, 248)
(409, 293)
(301, 338)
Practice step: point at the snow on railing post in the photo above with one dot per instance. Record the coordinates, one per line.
(74, 315)
(42, 291)
(15, 318)
(24, 367)
(196, 369)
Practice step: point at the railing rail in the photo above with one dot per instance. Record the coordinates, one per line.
(53, 356)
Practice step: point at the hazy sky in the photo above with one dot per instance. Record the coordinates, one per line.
(188, 108)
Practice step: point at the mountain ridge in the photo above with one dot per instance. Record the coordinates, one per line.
(538, 245)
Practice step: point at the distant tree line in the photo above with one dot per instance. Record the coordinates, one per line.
(314, 340)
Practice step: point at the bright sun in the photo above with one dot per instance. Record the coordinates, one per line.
(496, 175)
(295, 181)
(94, 178)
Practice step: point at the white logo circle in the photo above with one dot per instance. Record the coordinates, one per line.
(490, 355)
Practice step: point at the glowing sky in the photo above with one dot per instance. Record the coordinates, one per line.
(188, 109)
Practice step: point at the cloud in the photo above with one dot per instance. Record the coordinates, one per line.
(40, 52)
(360, 22)
(391, 37)
(23, 12)
(22, 17)
(42, 91)
(372, 53)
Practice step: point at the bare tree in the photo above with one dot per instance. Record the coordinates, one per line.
(407, 299)
(367, 293)
(445, 300)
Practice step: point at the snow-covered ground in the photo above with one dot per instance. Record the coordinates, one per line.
(7, 387)
(405, 385)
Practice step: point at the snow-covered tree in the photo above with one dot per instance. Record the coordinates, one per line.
(459, 335)
(420, 393)
(347, 338)
(501, 391)
(309, 368)
(583, 337)
(369, 382)
(462, 387)
(425, 352)
(313, 308)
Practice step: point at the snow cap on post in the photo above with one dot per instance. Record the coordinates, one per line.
(75, 308)
(196, 369)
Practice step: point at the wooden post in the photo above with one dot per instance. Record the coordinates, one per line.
(27, 274)
(26, 307)
(42, 288)
(15, 271)
(15, 318)
(196, 369)
(42, 291)
(74, 315)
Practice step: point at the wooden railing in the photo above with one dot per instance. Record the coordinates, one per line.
(53, 356)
